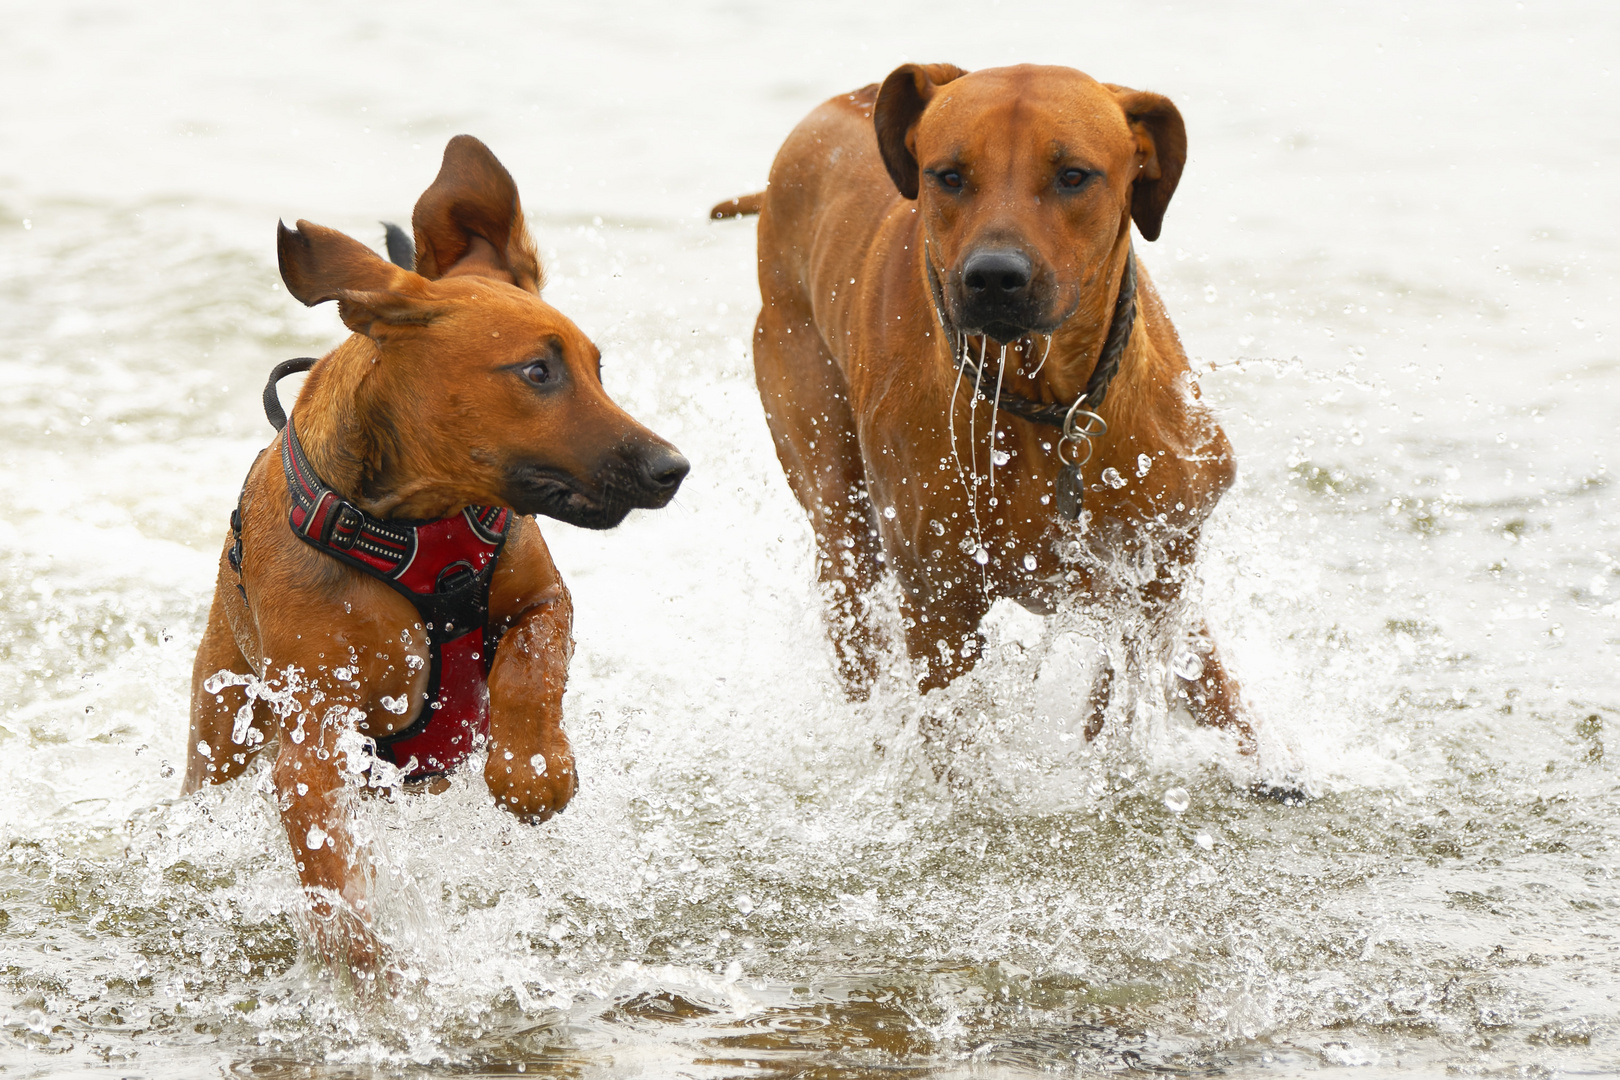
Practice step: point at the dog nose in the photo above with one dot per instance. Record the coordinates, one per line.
(997, 275)
(662, 469)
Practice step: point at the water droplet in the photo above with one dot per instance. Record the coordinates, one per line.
(1143, 464)
(242, 723)
(219, 680)
(1177, 800)
(981, 556)
(1112, 478)
(1029, 562)
(1189, 665)
(395, 705)
(999, 458)
(888, 512)
(745, 903)
(1204, 840)
(538, 764)
(733, 971)
(316, 838)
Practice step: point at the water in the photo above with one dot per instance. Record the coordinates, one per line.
(1393, 258)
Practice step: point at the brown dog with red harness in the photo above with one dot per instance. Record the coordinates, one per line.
(385, 602)
(970, 380)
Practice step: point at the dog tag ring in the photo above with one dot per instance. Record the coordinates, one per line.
(1080, 426)
(1071, 492)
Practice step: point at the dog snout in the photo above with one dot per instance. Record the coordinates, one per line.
(998, 292)
(660, 470)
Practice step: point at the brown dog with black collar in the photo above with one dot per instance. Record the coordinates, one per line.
(382, 569)
(970, 382)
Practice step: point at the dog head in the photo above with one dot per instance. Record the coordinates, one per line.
(1026, 179)
(479, 391)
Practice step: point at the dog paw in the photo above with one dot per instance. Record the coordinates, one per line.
(344, 940)
(535, 789)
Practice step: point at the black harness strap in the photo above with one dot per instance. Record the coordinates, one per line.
(272, 403)
(278, 420)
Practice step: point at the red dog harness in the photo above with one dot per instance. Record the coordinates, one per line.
(442, 567)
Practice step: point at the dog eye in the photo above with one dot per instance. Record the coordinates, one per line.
(950, 178)
(538, 372)
(1072, 178)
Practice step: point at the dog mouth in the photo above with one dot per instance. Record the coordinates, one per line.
(962, 319)
(538, 489)
(1004, 333)
(646, 481)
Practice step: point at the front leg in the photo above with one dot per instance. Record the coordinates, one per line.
(530, 770)
(942, 625)
(1212, 693)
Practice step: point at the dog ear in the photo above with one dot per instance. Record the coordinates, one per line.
(469, 221)
(1161, 151)
(320, 264)
(900, 104)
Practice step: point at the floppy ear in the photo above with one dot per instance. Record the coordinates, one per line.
(900, 103)
(320, 264)
(471, 222)
(1161, 151)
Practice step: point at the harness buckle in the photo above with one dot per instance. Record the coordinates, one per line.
(346, 524)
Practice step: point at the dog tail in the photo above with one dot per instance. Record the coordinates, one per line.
(401, 248)
(741, 206)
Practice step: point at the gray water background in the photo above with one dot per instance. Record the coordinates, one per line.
(1393, 257)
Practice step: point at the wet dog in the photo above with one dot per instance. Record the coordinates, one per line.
(971, 382)
(385, 601)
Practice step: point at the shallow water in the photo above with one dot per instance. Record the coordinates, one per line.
(1393, 258)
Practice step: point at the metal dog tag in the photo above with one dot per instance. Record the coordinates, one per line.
(1071, 492)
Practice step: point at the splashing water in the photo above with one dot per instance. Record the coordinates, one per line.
(1415, 580)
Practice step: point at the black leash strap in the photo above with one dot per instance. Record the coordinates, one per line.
(272, 404)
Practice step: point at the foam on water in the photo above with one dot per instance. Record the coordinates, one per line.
(1415, 579)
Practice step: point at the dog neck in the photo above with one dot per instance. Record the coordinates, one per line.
(353, 443)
